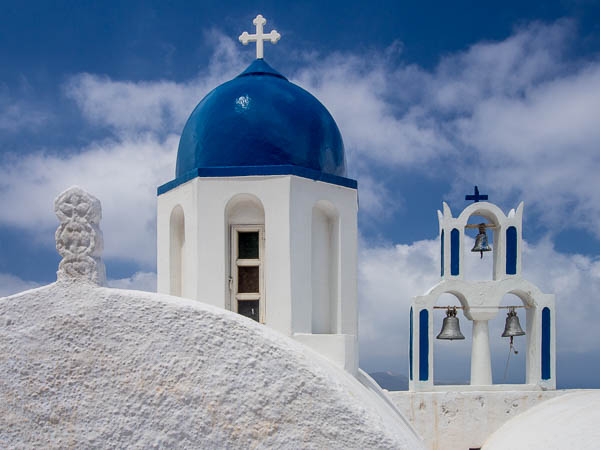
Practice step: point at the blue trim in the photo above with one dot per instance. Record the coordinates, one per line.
(546, 343)
(423, 345)
(442, 270)
(245, 171)
(454, 252)
(410, 347)
(511, 251)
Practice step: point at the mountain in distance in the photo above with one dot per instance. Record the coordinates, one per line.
(397, 382)
(391, 381)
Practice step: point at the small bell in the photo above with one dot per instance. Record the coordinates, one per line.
(450, 328)
(481, 241)
(512, 327)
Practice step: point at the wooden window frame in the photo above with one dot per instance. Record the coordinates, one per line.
(235, 262)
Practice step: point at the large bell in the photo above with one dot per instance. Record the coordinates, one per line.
(450, 328)
(512, 327)
(481, 241)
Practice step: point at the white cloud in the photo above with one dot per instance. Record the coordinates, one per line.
(157, 106)
(517, 114)
(11, 284)
(122, 174)
(140, 281)
(20, 115)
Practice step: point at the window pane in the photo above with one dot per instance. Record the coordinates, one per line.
(248, 279)
(248, 245)
(248, 308)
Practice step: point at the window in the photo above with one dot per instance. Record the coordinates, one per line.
(246, 281)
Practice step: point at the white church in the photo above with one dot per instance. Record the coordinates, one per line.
(252, 338)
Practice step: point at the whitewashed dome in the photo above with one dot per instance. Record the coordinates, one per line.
(91, 367)
(566, 422)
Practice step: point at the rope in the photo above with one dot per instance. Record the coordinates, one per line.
(510, 350)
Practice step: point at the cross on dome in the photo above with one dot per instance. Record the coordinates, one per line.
(259, 36)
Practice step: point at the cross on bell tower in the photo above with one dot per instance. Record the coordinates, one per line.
(259, 36)
(476, 196)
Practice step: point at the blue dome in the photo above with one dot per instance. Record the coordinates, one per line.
(261, 119)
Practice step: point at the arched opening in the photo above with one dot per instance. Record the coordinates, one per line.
(442, 238)
(324, 268)
(245, 209)
(245, 225)
(508, 367)
(410, 344)
(455, 252)
(176, 251)
(423, 345)
(451, 358)
(546, 343)
(511, 251)
(477, 267)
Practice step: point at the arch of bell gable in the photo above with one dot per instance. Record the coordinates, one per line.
(483, 209)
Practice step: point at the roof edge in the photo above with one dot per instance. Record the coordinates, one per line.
(245, 171)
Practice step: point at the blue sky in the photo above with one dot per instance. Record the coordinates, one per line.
(431, 98)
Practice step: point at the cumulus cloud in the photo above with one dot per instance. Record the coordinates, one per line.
(18, 115)
(156, 106)
(139, 281)
(123, 174)
(518, 113)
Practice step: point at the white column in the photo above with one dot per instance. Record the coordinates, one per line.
(481, 362)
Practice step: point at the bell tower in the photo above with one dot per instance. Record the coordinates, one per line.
(480, 301)
(261, 218)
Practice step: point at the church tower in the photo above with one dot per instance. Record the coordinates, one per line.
(261, 218)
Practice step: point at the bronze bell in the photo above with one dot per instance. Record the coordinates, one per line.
(512, 327)
(450, 328)
(481, 241)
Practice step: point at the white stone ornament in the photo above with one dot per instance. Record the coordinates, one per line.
(259, 36)
(79, 238)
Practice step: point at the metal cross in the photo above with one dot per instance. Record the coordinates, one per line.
(476, 197)
(259, 36)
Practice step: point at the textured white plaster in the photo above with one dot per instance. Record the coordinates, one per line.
(78, 237)
(459, 420)
(83, 366)
(568, 422)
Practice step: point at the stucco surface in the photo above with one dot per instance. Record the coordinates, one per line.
(458, 420)
(91, 367)
(569, 421)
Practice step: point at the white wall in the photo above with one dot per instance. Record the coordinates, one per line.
(324, 268)
(183, 197)
(310, 265)
(177, 250)
(455, 420)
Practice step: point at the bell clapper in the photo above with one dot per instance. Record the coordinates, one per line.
(481, 241)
